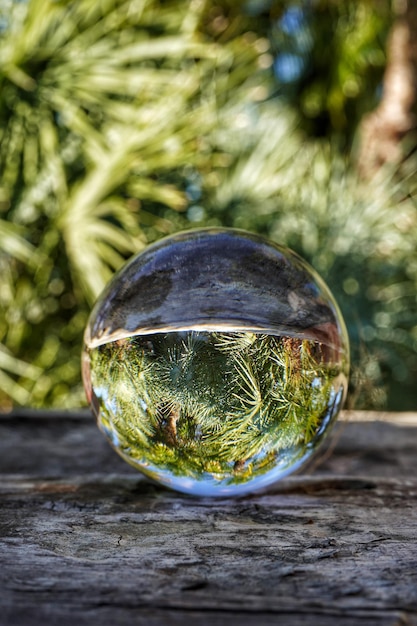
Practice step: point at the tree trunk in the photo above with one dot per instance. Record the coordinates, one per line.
(383, 130)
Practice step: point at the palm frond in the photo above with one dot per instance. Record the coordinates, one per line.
(13, 243)
(16, 367)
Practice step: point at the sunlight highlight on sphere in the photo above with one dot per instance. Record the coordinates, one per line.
(216, 362)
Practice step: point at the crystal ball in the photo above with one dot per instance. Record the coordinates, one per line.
(216, 362)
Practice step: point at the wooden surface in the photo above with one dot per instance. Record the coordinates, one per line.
(86, 540)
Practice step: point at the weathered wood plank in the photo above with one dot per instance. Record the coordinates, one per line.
(85, 539)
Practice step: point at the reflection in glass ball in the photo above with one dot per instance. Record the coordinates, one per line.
(216, 361)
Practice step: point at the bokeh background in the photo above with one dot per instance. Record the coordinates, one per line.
(122, 121)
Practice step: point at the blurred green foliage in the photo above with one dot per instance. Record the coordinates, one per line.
(336, 51)
(124, 120)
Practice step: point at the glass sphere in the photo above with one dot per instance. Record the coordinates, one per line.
(216, 361)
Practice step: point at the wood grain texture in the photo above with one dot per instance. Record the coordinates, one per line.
(86, 540)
